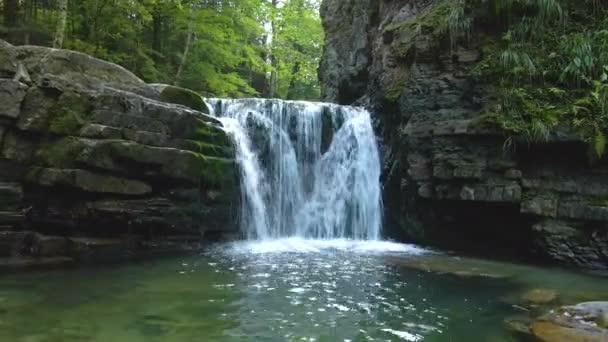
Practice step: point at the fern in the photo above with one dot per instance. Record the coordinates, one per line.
(599, 144)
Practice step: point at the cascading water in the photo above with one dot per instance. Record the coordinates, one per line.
(308, 170)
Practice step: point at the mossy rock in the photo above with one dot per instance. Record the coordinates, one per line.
(60, 153)
(70, 113)
(8, 60)
(433, 20)
(216, 172)
(207, 149)
(208, 133)
(184, 97)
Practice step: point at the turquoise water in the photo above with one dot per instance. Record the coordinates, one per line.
(290, 290)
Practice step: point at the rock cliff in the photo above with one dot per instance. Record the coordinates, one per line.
(96, 163)
(449, 178)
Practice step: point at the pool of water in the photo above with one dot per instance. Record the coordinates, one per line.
(286, 290)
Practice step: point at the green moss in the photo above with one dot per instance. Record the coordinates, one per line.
(211, 134)
(433, 20)
(394, 91)
(428, 29)
(598, 202)
(70, 113)
(184, 97)
(60, 153)
(208, 148)
(216, 172)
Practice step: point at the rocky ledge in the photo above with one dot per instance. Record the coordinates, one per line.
(96, 163)
(449, 179)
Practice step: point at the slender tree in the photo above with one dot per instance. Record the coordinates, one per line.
(187, 46)
(62, 7)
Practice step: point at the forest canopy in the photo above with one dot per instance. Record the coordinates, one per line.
(267, 48)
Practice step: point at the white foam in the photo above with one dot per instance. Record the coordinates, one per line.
(404, 335)
(300, 245)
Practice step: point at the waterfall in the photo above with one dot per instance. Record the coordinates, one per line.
(308, 170)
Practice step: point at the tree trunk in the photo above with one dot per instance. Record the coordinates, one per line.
(156, 32)
(291, 91)
(273, 80)
(189, 40)
(11, 8)
(62, 7)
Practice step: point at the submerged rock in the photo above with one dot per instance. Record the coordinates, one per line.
(519, 327)
(538, 297)
(445, 264)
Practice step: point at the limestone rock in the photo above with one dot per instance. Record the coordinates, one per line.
(570, 243)
(87, 181)
(447, 168)
(14, 243)
(10, 204)
(88, 149)
(11, 95)
(49, 246)
(573, 324)
(8, 60)
(542, 204)
(70, 65)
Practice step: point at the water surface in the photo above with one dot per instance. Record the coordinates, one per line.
(284, 290)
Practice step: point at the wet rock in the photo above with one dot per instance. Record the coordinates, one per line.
(538, 297)
(14, 243)
(444, 264)
(32, 263)
(581, 322)
(542, 204)
(549, 332)
(602, 320)
(98, 249)
(513, 174)
(519, 327)
(572, 242)
(11, 195)
(87, 181)
(49, 246)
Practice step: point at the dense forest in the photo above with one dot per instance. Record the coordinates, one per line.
(266, 48)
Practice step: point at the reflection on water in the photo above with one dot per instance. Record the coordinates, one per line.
(289, 290)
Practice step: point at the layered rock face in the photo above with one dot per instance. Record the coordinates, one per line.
(449, 179)
(92, 158)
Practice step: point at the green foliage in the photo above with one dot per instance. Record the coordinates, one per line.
(550, 67)
(217, 48)
(295, 50)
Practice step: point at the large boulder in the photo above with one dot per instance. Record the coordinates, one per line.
(584, 322)
(90, 153)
